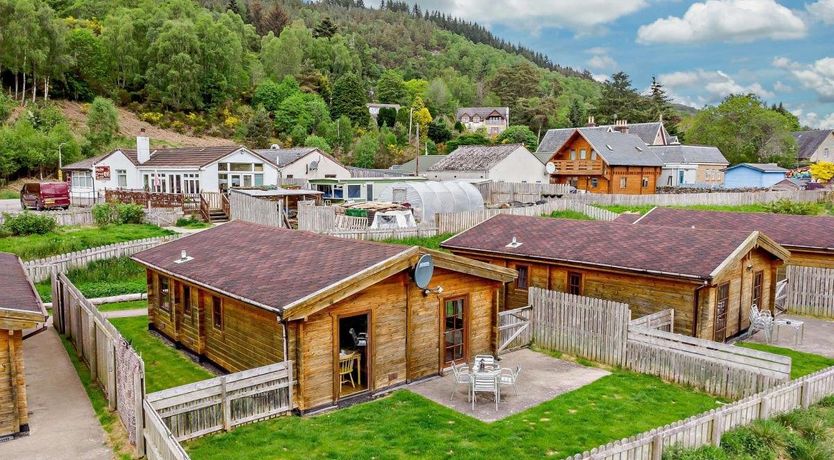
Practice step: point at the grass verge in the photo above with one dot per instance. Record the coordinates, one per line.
(102, 278)
(6, 194)
(116, 435)
(405, 425)
(165, 367)
(119, 306)
(568, 214)
(430, 242)
(70, 239)
(801, 363)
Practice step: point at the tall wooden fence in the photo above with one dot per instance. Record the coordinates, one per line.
(62, 218)
(42, 269)
(317, 219)
(113, 363)
(255, 210)
(810, 291)
(504, 192)
(684, 199)
(708, 428)
(453, 222)
(663, 320)
(514, 328)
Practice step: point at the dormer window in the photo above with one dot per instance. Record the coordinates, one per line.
(476, 119)
(465, 118)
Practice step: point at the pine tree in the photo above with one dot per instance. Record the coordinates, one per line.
(576, 114)
(350, 99)
(325, 29)
(660, 107)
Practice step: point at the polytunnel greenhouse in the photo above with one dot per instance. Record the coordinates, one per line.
(430, 197)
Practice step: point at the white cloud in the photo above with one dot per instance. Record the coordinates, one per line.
(726, 20)
(602, 78)
(822, 10)
(781, 87)
(708, 86)
(600, 60)
(814, 120)
(818, 77)
(580, 15)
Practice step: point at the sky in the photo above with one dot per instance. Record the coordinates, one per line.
(701, 51)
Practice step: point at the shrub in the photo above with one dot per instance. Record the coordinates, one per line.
(27, 223)
(703, 453)
(130, 213)
(105, 214)
(785, 206)
(121, 213)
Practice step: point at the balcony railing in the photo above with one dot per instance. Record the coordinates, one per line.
(572, 167)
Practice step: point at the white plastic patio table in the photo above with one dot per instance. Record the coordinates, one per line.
(798, 327)
(490, 370)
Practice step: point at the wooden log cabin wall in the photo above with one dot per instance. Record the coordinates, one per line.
(272, 305)
(711, 278)
(20, 309)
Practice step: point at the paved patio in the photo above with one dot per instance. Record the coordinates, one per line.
(542, 378)
(819, 336)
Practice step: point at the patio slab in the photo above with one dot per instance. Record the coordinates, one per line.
(819, 336)
(542, 378)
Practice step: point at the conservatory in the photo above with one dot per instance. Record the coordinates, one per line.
(430, 197)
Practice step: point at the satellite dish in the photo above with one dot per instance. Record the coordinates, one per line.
(423, 271)
(314, 165)
(274, 147)
(550, 167)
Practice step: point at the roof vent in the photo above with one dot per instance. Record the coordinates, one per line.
(608, 146)
(184, 257)
(514, 243)
(639, 149)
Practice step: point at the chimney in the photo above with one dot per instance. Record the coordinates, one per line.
(143, 147)
(621, 126)
(591, 122)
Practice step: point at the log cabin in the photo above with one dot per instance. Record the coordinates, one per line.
(609, 162)
(20, 309)
(810, 239)
(709, 277)
(348, 313)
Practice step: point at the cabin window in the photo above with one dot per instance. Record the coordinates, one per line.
(583, 154)
(758, 284)
(523, 281)
(594, 182)
(121, 177)
(574, 283)
(217, 312)
(593, 154)
(288, 176)
(354, 191)
(573, 154)
(623, 182)
(165, 293)
(186, 299)
(81, 179)
(645, 182)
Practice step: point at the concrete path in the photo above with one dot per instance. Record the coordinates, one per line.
(62, 422)
(818, 339)
(125, 313)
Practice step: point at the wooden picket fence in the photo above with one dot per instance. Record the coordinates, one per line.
(505, 192)
(42, 269)
(255, 210)
(378, 234)
(684, 199)
(454, 222)
(708, 428)
(62, 218)
(589, 328)
(810, 291)
(113, 363)
(663, 320)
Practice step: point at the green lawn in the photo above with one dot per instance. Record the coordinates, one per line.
(6, 194)
(619, 208)
(103, 278)
(165, 367)
(801, 363)
(119, 306)
(70, 239)
(760, 207)
(405, 425)
(430, 242)
(568, 214)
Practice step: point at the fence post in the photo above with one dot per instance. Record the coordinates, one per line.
(111, 376)
(227, 408)
(657, 447)
(764, 407)
(93, 348)
(717, 428)
(806, 394)
(139, 411)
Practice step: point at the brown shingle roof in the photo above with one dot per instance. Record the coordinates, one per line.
(186, 156)
(269, 266)
(787, 230)
(660, 250)
(17, 292)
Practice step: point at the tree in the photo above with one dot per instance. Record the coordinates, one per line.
(467, 139)
(576, 115)
(620, 101)
(259, 129)
(439, 131)
(387, 116)
(390, 88)
(745, 130)
(173, 74)
(364, 152)
(102, 124)
(299, 113)
(6, 107)
(271, 94)
(318, 142)
(660, 108)
(415, 88)
(519, 134)
(513, 82)
(283, 55)
(325, 29)
(822, 171)
(536, 113)
(350, 98)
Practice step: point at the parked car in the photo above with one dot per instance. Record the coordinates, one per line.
(45, 195)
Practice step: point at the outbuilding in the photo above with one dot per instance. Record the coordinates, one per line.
(754, 175)
(431, 197)
(499, 163)
(709, 277)
(20, 309)
(356, 318)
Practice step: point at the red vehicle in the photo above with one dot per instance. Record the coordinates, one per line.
(45, 195)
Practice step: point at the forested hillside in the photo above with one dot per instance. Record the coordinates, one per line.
(267, 71)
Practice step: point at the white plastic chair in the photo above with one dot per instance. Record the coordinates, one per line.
(509, 377)
(485, 383)
(761, 320)
(488, 360)
(462, 376)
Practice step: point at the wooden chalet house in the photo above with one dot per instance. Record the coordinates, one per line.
(347, 313)
(810, 239)
(709, 277)
(610, 162)
(20, 309)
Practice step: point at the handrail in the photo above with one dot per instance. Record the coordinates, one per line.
(204, 209)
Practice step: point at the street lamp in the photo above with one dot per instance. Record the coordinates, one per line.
(60, 165)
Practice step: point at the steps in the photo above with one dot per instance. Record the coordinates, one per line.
(217, 216)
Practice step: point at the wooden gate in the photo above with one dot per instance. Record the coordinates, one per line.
(514, 329)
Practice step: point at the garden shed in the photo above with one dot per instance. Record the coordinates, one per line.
(20, 309)
(431, 197)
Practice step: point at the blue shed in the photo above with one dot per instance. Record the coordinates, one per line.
(753, 175)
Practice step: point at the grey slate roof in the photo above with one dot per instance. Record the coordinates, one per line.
(762, 167)
(85, 164)
(555, 138)
(482, 112)
(283, 157)
(621, 149)
(688, 154)
(475, 157)
(426, 162)
(807, 142)
(368, 172)
(543, 157)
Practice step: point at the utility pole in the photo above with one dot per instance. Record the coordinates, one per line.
(417, 150)
(410, 113)
(60, 163)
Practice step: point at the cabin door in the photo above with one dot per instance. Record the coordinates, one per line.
(353, 343)
(455, 333)
(721, 312)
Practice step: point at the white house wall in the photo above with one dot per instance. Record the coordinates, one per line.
(825, 152)
(690, 174)
(118, 161)
(519, 166)
(208, 175)
(298, 169)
